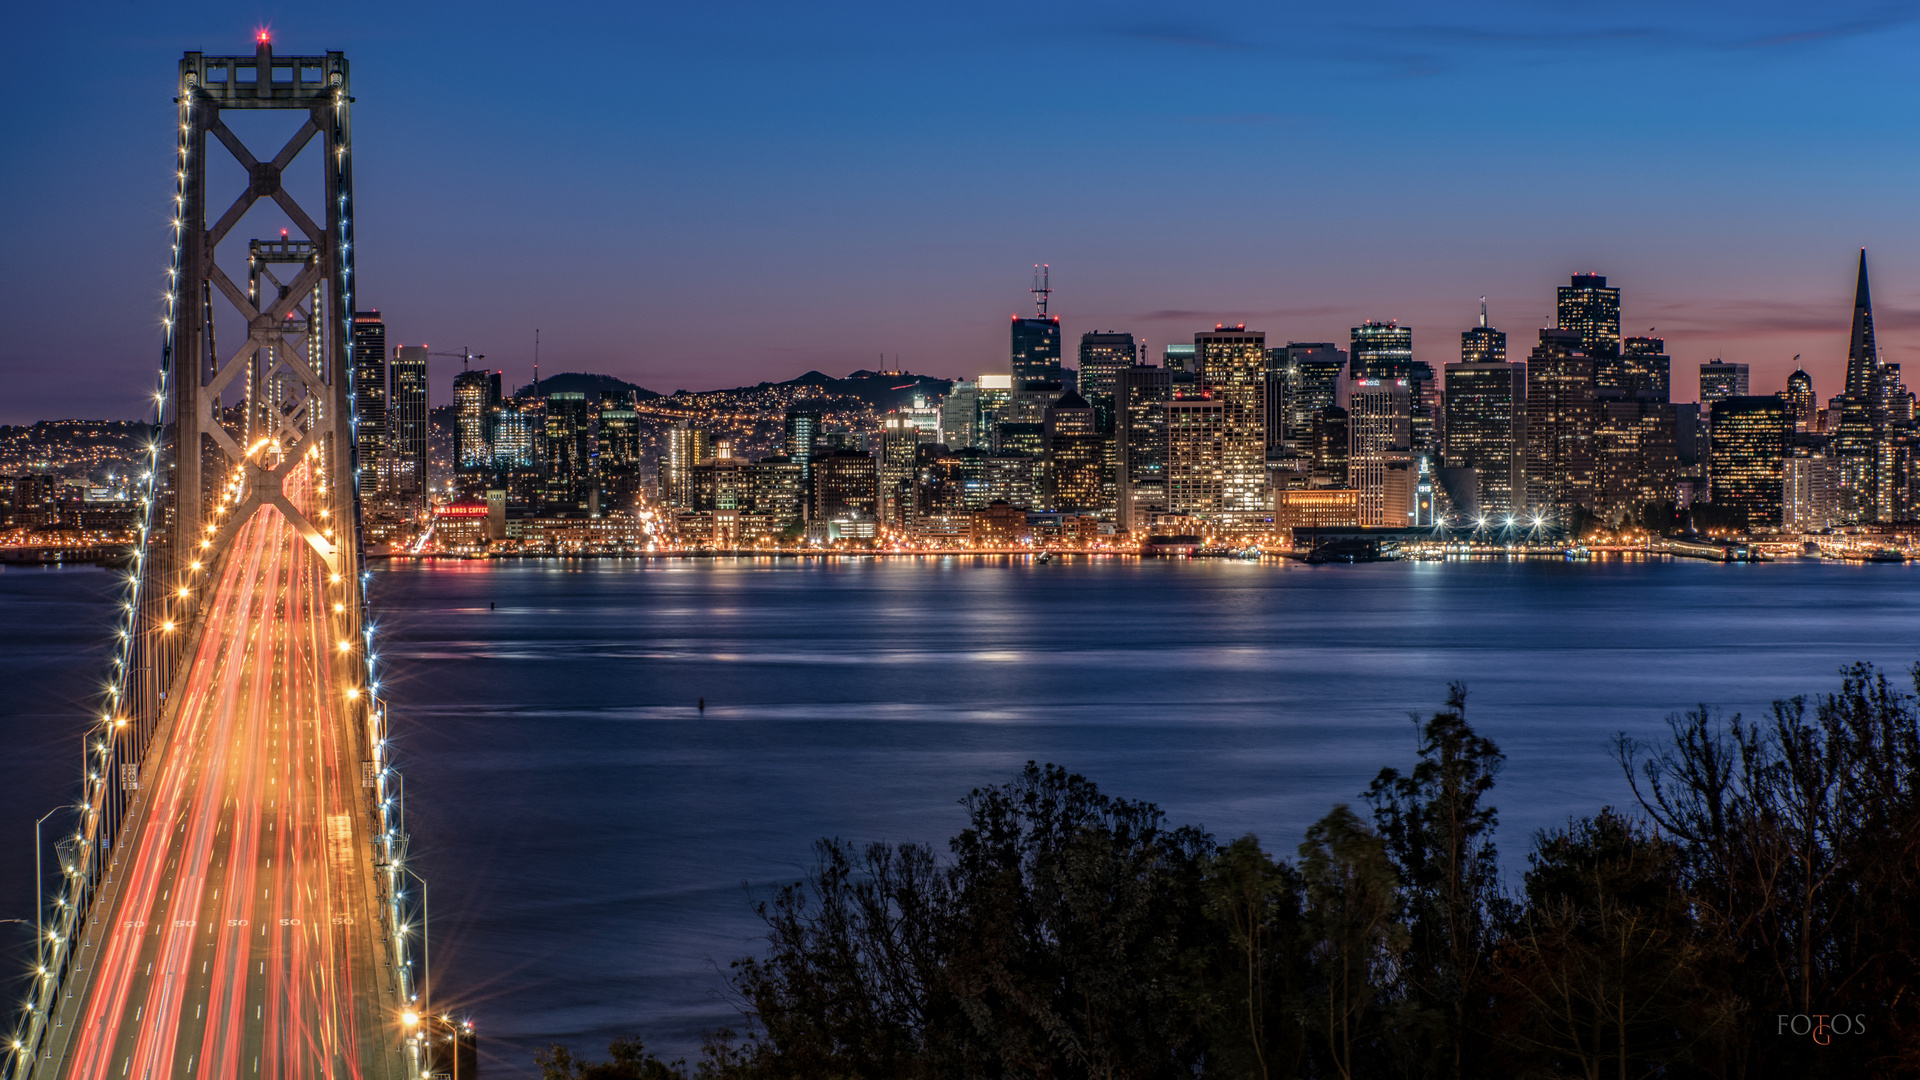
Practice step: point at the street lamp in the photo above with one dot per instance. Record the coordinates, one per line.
(426, 940)
(39, 902)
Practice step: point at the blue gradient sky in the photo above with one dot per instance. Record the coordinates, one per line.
(706, 195)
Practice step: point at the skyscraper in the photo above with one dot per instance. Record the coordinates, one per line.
(844, 486)
(1233, 363)
(1486, 428)
(1196, 452)
(1636, 457)
(1860, 436)
(1750, 436)
(1036, 340)
(1719, 379)
(1332, 448)
(407, 428)
(1384, 351)
(1588, 308)
(369, 395)
(1802, 404)
(1381, 350)
(803, 429)
(1102, 357)
(476, 398)
(617, 459)
(960, 416)
(1863, 356)
(1482, 344)
(1141, 394)
(899, 443)
(1310, 373)
(1380, 425)
(1644, 372)
(572, 448)
(1560, 422)
(686, 447)
(1076, 457)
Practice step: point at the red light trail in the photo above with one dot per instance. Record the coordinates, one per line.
(239, 936)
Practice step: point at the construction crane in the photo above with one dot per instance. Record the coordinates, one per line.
(465, 356)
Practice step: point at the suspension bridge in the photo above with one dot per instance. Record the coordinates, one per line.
(233, 892)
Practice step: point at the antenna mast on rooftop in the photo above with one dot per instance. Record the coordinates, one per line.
(1041, 289)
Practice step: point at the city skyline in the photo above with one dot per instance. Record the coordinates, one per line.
(897, 224)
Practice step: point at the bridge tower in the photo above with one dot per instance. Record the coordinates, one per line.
(292, 374)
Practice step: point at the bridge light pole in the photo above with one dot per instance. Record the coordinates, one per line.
(39, 901)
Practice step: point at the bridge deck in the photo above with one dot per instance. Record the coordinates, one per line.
(239, 934)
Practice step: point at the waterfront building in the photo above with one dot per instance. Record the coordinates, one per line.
(369, 395)
(1196, 452)
(940, 495)
(1102, 357)
(721, 482)
(999, 525)
(1232, 372)
(1720, 379)
(845, 484)
(899, 446)
(1486, 425)
(407, 428)
(803, 430)
(686, 447)
(1592, 310)
(1810, 487)
(1141, 394)
(519, 449)
(476, 404)
(1560, 422)
(1380, 426)
(1636, 461)
(1077, 472)
(776, 495)
(572, 449)
(1750, 436)
(617, 457)
(987, 478)
(1316, 508)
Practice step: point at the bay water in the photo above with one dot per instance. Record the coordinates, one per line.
(594, 837)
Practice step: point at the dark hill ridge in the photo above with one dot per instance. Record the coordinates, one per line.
(575, 382)
(882, 390)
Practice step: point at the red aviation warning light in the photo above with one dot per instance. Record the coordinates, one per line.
(262, 35)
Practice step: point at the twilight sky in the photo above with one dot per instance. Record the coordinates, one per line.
(705, 195)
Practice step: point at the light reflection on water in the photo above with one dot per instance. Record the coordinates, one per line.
(594, 827)
(588, 828)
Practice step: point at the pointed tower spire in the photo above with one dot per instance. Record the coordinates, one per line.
(1863, 358)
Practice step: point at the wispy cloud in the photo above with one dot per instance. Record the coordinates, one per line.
(1726, 319)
